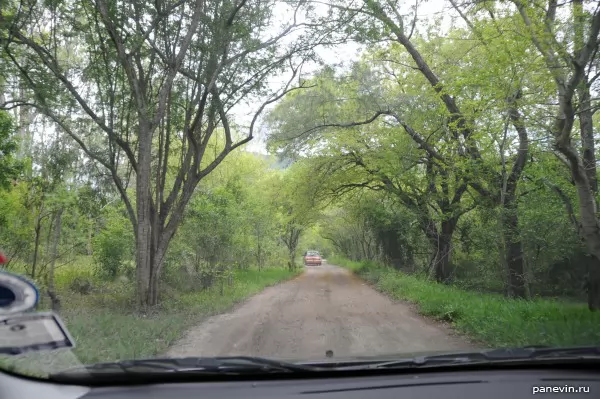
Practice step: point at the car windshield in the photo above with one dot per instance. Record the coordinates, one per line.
(167, 167)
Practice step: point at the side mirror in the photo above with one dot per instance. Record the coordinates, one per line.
(17, 294)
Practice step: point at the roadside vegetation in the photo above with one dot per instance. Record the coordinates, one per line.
(483, 178)
(231, 245)
(491, 320)
(105, 328)
(476, 187)
(130, 194)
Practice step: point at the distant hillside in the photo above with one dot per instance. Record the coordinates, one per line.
(281, 163)
(272, 160)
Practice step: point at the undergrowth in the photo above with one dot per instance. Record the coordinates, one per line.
(106, 326)
(491, 319)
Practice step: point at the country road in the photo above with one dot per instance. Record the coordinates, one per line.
(325, 308)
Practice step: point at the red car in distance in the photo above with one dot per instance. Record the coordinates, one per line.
(312, 258)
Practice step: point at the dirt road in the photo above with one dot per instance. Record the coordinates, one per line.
(326, 308)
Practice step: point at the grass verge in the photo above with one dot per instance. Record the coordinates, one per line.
(113, 333)
(106, 327)
(491, 319)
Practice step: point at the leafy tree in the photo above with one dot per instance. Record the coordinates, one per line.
(9, 166)
(372, 154)
(294, 196)
(571, 61)
(112, 245)
(143, 89)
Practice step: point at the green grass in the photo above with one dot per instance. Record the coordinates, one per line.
(106, 326)
(115, 332)
(491, 319)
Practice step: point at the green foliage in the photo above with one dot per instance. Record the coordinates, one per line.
(230, 224)
(113, 247)
(79, 272)
(294, 193)
(313, 239)
(382, 165)
(382, 125)
(15, 220)
(372, 226)
(170, 135)
(10, 167)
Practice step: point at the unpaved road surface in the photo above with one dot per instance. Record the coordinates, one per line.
(325, 308)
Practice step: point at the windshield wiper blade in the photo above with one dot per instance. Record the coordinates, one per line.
(540, 352)
(588, 352)
(488, 356)
(198, 365)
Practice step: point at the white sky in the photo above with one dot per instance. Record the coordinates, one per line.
(342, 54)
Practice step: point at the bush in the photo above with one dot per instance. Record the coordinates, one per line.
(81, 285)
(112, 249)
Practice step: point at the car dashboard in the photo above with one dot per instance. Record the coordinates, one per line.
(487, 384)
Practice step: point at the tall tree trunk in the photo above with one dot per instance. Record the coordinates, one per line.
(514, 249)
(292, 252)
(593, 284)
(290, 238)
(89, 246)
(443, 259)
(517, 283)
(144, 263)
(36, 246)
(590, 232)
(587, 135)
(589, 225)
(291, 260)
(152, 237)
(589, 164)
(157, 263)
(146, 287)
(259, 252)
(55, 300)
(441, 243)
(585, 111)
(154, 287)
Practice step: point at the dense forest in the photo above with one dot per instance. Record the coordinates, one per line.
(464, 155)
(467, 156)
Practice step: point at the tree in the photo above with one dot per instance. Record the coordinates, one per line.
(143, 88)
(372, 154)
(294, 196)
(260, 216)
(572, 63)
(9, 166)
(467, 101)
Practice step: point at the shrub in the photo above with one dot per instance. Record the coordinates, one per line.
(81, 285)
(112, 248)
